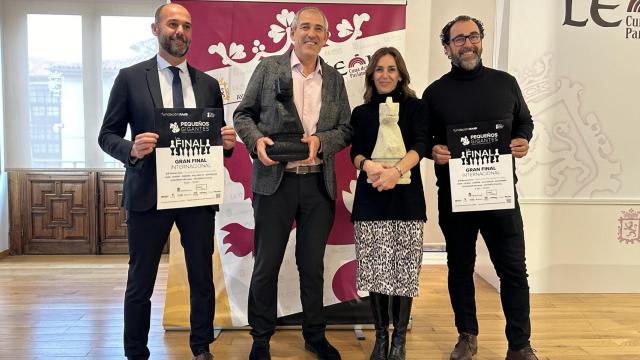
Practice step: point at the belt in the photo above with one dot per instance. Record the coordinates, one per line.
(306, 169)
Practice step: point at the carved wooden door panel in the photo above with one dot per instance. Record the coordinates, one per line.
(112, 216)
(60, 213)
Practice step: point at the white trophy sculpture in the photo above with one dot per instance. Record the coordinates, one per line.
(389, 147)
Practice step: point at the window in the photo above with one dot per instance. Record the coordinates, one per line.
(55, 72)
(126, 40)
(64, 58)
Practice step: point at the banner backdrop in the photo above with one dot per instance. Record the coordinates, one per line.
(575, 61)
(229, 40)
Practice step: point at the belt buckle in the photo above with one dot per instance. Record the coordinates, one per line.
(302, 170)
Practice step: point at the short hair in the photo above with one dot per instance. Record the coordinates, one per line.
(445, 35)
(296, 18)
(158, 11)
(369, 86)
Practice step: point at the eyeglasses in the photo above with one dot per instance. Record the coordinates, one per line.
(461, 39)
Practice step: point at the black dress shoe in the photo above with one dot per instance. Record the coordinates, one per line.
(260, 351)
(322, 349)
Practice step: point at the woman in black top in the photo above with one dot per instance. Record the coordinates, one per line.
(389, 217)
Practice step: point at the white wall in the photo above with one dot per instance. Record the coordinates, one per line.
(4, 195)
(426, 62)
(580, 181)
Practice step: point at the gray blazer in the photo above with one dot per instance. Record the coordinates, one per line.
(261, 114)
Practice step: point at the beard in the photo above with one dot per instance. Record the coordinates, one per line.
(467, 64)
(168, 43)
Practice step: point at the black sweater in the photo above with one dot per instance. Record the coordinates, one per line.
(404, 202)
(479, 95)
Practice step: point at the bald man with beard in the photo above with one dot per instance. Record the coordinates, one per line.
(164, 81)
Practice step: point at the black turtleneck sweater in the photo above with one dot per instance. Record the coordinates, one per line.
(404, 202)
(479, 95)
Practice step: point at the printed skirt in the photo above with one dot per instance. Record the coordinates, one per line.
(389, 254)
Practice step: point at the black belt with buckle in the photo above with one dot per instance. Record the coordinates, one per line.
(305, 169)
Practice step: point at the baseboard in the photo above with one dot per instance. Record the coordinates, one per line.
(434, 258)
(4, 254)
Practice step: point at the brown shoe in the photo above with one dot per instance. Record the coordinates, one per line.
(466, 348)
(527, 353)
(203, 356)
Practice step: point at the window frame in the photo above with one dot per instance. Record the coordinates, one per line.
(16, 69)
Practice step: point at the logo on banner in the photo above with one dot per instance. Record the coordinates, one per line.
(629, 227)
(224, 89)
(174, 127)
(357, 66)
(576, 141)
(631, 24)
(357, 60)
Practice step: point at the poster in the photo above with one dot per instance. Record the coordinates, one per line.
(190, 169)
(481, 166)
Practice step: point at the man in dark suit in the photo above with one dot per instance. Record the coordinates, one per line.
(296, 92)
(165, 81)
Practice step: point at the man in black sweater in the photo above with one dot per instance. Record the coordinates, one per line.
(472, 93)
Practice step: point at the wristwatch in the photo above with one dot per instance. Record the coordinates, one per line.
(361, 164)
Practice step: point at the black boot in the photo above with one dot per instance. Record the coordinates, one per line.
(380, 310)
(401, 308)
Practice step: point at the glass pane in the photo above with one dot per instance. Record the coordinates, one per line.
(55, 91)
(126, 40)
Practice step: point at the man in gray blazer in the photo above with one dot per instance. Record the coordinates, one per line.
(296, 92)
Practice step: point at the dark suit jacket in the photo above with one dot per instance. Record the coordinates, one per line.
(261, 114)
(134, 97)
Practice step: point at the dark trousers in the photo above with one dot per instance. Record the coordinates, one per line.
(302, 198)
(503, 234)
(148, 233)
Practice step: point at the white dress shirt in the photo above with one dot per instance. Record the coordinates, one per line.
(166, 80)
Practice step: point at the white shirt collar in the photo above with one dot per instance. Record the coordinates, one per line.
(163, 64)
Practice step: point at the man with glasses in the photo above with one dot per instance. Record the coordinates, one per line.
(472, 93)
